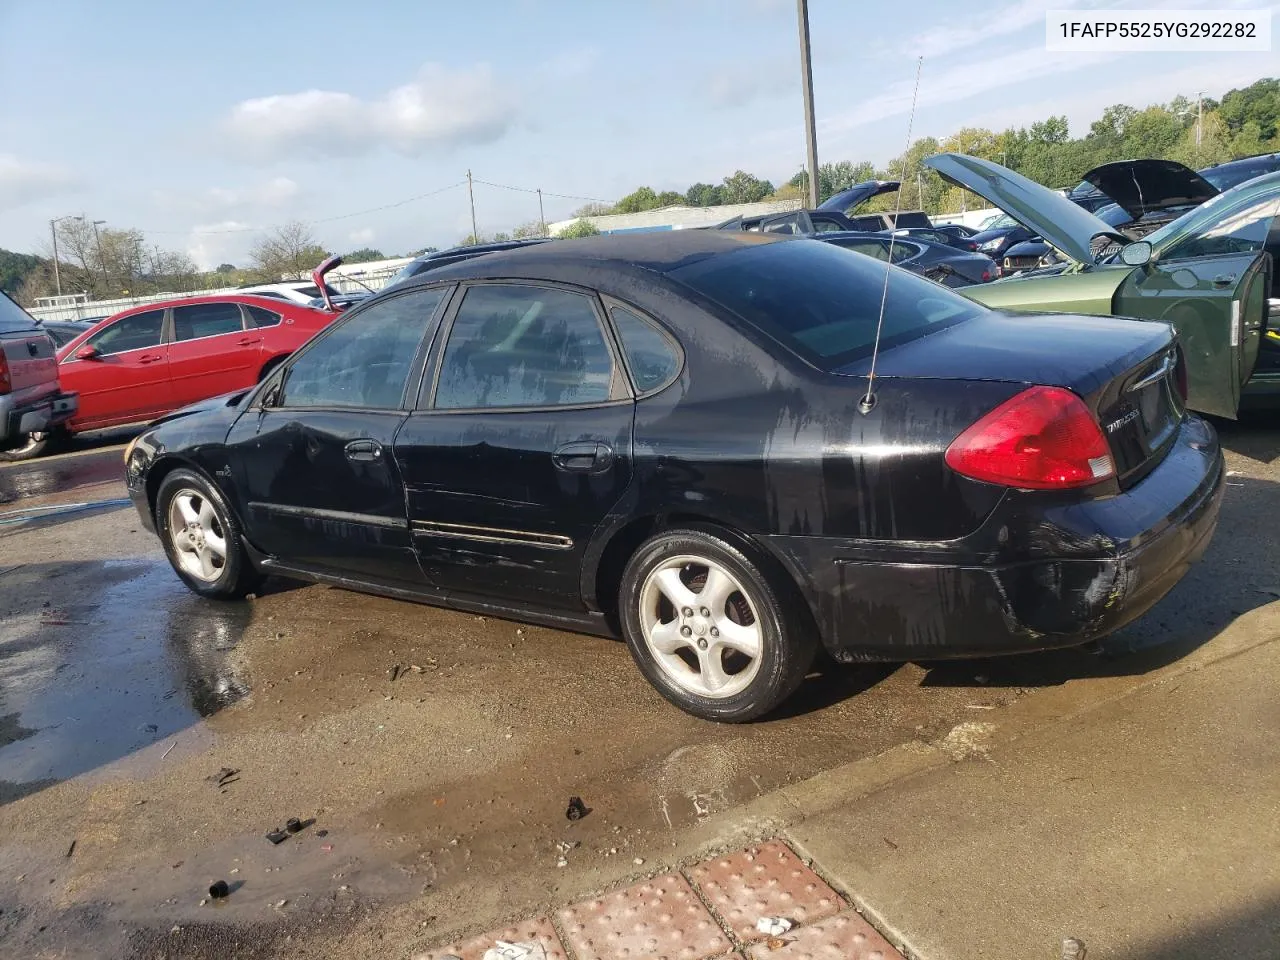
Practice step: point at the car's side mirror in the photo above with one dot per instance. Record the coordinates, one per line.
(88, 353)
(1136, 254)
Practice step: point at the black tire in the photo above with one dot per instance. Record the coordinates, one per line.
(235, 576)
(31, 446)
(787, 645)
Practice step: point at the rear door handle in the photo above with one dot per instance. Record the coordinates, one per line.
(583, 456)
(248, 341)
(1224, 279)
(363, 451)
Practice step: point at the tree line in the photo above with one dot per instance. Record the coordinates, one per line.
(111, 263)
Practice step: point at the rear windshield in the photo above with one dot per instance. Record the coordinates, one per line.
(12, 317)
(1233, 174)
(822, 302)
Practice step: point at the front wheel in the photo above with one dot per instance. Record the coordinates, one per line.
(708, 630)
(201, 537)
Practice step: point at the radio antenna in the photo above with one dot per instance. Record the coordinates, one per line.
(868, 402)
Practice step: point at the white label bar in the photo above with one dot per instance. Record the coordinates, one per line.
(1223, 31)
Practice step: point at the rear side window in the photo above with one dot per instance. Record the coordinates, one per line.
(651, 357)
(202, 320)
(12, 317)
(823, 302)
(261, 317)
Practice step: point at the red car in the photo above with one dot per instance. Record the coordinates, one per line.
(144, 362)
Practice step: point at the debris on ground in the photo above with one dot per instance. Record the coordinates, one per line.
(577, 809)
(219, 889)
(773, 926)
(516, 951)
(394, 673)
(71, 849)
(776, 943)
(277, 836)
(1072, 949)
(225, 776)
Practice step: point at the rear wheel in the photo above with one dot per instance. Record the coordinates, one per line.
(201, 537)
(708, 630)
(30, 446)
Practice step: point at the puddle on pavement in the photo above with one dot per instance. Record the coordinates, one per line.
(121, 656)
(40, 477)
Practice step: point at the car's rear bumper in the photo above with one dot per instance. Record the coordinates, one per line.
(1090, 569)
(35, 416)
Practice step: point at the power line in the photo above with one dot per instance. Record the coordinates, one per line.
(545, 193)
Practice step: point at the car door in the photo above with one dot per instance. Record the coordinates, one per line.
(1212, 282)
(315, 474)
(121, 372)
(211, 352)
(522, 445)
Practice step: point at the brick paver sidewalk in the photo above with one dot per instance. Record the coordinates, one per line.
(708, 911)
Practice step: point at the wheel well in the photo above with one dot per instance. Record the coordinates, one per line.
(271, 365)
(161, 469)
(614, 557)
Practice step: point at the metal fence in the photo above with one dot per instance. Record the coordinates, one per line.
(352, 278)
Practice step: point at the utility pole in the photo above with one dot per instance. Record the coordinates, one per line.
(919, 189)
(542, 217)
(810, 125)
(53, 232)
(475, 236)
(1199, 120)
(97, 240)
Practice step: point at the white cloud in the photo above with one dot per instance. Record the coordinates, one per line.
(970, 30)
(736, 85)
(439, 108)
(1011, 71)
(271, 193)
(227, 241)
(363, 237)
(24, 181)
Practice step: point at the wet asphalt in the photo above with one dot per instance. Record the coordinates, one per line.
(441, 793)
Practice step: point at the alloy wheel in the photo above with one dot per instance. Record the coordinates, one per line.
(197, 534)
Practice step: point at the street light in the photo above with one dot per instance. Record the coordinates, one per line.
(53, 232)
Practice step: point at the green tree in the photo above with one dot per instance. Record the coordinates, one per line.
(704, 195)
(594, 209)
(744, 187)
(1258, 103)
(14, 269)
(533, 228)
(669, 198)
(642, 198)
(226, 268)
(579, 228)
(363, 255)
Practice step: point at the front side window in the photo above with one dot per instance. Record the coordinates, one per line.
(522, 346)
(365, 361)
(136, 332)
(206, 320)
(821, 302)
(653, 360)
(12, 317)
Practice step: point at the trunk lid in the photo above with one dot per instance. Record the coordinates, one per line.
(1125, 370)
(30, 364)
(1068, 226)
(1146, 186)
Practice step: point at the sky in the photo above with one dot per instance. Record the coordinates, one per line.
(205, 124)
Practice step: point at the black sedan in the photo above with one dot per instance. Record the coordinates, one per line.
(937, 261)
(677, 438)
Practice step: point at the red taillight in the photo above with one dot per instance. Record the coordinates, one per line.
(6, 384)
(1045, 438)
(986, 274)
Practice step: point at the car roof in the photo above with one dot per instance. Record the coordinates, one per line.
(657, 252)
(267, 303)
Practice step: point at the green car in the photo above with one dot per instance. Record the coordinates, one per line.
(1209, 273)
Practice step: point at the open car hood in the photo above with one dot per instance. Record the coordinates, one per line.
(858, 194)
(1066, 225)
(1145, 186)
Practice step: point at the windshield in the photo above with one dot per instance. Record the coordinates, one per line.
(823, 302)
(999, 222)
(1232, 222)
